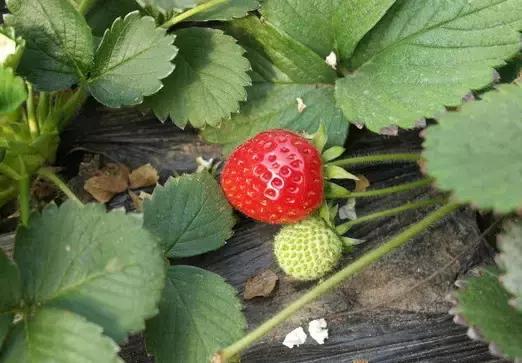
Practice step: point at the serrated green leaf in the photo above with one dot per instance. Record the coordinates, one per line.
(199, 313)
(227, 10)
(5, 324)
(284, 71)
(510, 259)
(483, 304)
(476, 154)
(103, 266)
(208, 82)
(190, 215)
(59, 48)
(134, 55)
(11, 47)
(54, 335)
(12, 91)
(326, 25)
(423, 56)
(9, 284)
(101, 16)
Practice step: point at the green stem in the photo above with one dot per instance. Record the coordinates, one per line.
(379, 158)
(345, 227)
(24, 196)
(42, 108)
(86, 5)
(335, 280)
(48, 174)
(31, 118)
(63, 112)
(392, 190)
(7, 195)
(191, 12)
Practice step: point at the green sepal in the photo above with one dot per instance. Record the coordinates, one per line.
(336, 172)
(332, 153)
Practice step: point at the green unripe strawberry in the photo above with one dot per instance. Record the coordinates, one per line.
(307, 250)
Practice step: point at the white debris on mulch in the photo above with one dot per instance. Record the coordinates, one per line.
(318, 330)
(295, 338)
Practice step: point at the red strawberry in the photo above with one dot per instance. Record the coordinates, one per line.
(275, 177)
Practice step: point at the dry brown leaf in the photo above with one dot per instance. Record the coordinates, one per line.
(144, 176)
(362, 184)
(260, 285)
(109, 181)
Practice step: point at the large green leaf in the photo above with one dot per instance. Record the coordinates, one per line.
(199, 314)
(284, 70)
(133, 57)
(9, 284)
(12, 91)
(208, 82)
(58, 336)
(510, 258)
(476, 153)
(483, 306)
(103, 266)
(101, 16)
(190, 215)
(326, 25)
(423, 56)
(59, 47)
(227, 10)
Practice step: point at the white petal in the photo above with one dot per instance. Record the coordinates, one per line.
(7, 47)
(331, 60)
(295, 338)
(318, 330)
(300, 105)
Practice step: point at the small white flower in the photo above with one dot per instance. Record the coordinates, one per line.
(318, 330)
(331, 60)
(7, 47)
(295, 338)
(203, 164)
(300, 105)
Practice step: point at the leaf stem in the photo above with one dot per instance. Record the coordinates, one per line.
(24, 195)
(48, 174)
(191, 12)
(392, 190)
(9, 172)
(31, 117)
(335, 280)
(378, 158)
(86, 5)
(345, 227)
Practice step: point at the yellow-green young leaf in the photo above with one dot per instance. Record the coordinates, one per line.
(199, 314)
(103, 266)
(54, 335)
(134, 55)
(483, 306)
(326, 25)
(285, 73)
(226, 10)
(510, 259)
(189, 215)
(12, 91)
(424, 55)
(11, 47)
(475, 153)
(208, 82)
(59, 48)
(9, 284)
(334, 191)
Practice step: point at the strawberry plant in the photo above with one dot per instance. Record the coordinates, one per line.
(259, 79)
